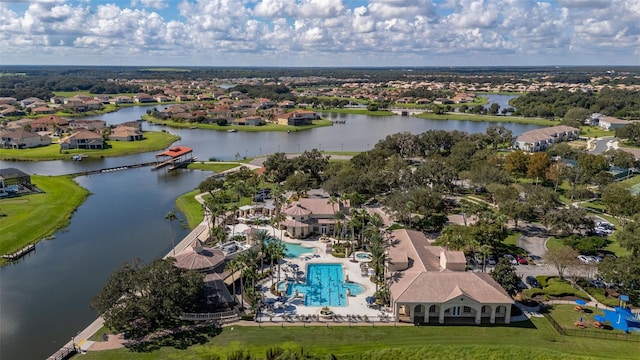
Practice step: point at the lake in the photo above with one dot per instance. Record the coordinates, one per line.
(45, 297)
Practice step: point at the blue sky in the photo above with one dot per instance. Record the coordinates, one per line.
(320, 32)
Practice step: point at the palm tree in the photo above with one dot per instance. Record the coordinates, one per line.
(251, 265)
(241, 261)
(233, 265)
(378, 256)
(171, 216)
(279, 251)
(485, 250)
(262, 236)
(338, 216)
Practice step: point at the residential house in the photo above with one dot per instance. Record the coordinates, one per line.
(611, 123)
(121, 100)
(83, 139)
(22, 139)
(49, 123)
(541, 139)
(87, 124)
(10, 110)
(104, 99)
(309, 216)
(134, 124)
(143, 98)
(31, 100)
(249, 121)
(43, 110)
(429, 284)
(125, 133)
(286, 104)
(297, 118)
(57, 100)
(11, 179)
(7, 100)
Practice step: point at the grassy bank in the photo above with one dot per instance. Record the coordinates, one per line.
(191, 208)
(216, 167)
(33, 217)
(533, 339)
(488, 118)
(153, 141)
(266, 127)
(355, 111)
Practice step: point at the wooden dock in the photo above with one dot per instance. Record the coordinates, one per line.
(63, 353)
(20, 253)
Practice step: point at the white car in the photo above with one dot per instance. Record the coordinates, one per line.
(585, 259)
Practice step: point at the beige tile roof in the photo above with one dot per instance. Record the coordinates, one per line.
(199, 257)
(439, 287)
(297, 209)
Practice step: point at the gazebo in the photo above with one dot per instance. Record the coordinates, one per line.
(199, 257)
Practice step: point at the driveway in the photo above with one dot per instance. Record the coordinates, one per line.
(600, 145)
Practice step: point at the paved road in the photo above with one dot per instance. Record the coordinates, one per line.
(532, 239)
(602, 144)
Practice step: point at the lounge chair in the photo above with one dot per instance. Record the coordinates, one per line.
(578, 308)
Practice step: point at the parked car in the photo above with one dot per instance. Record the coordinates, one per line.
(533, 282)
(491, 260)
(585, 259)
(522, 260)
(596, 283)
(511, 259)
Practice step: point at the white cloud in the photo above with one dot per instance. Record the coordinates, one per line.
(155, 4)
(269, 31)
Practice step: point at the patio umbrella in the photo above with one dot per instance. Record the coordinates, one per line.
(270, 301)
(370, 300)
(581, 302)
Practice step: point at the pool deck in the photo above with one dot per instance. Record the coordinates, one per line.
(293, 309)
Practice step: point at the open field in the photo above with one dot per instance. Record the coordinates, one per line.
(33, 217)
(266, 127)
(153, 140)
(534, 339)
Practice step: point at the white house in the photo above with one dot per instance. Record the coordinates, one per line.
(611, 123)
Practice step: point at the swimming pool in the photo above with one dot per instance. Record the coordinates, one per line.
(325, 286)
(292, 251)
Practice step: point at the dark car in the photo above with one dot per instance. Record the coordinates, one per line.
(533, 282)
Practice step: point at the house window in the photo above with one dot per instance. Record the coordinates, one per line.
(498, 309)
(432, 308)
(485, 309)
(466, 310)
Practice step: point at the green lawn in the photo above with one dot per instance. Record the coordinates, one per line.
(266, 127)
(355, 111)
(153, 141)
(488, 118)
(191, 208)
(213, 166)
(33, 217)
(534, 339)
(591, 131)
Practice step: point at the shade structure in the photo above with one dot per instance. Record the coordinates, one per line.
(581, 302)
(599, 318)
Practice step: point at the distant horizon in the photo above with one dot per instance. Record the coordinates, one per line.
(320, 33)
(409, 67)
